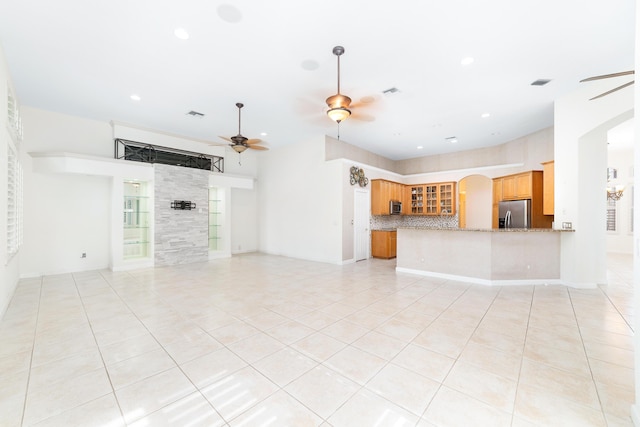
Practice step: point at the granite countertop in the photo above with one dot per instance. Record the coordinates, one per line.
(487, 230)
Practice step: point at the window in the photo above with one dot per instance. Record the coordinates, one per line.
(14, 203)
(611, 215)
(14, 122)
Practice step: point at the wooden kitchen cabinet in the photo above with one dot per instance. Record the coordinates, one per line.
(518, 186)
(383, 243)
(521, 186)
(548, 189)
(383, 191)
(431, 199)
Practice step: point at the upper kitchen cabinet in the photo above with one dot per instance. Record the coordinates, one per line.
(382, 192)
(522, 186)
(518, 186)
(548, 188)
(431, 199)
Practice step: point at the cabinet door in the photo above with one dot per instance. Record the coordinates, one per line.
(446, 198)
(379, 197)
(394, 192)
(417, 199)
(497, 190)
(523, 186)
(378, 244)
(392, 244)
(508, 188)
(431, 199)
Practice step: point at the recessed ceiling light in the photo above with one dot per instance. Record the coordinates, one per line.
(181, 33)
(467, 61)
(263, 134)
(135, 97)
(451, 140)
(419, 147)
(485, 115)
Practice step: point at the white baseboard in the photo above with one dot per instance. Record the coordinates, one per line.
(489, 282)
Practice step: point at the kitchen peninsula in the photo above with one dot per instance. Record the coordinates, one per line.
(482, 256)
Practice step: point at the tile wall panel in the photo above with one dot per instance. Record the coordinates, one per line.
(181, 236)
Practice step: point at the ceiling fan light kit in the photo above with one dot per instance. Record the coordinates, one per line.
(240, 143)
(338, 104)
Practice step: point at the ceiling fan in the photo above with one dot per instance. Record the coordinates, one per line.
(240, 143)
(608, 76)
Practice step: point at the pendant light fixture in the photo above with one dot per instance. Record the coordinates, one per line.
(338, 103)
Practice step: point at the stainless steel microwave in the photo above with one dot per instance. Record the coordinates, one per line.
(395, 207)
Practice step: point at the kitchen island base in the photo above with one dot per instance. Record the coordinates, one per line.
(488, 257)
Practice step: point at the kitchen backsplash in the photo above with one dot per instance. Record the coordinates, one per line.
(382, 222)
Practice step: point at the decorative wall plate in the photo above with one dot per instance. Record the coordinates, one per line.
(357, 177)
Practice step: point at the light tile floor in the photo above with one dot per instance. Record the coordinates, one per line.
(272, 341)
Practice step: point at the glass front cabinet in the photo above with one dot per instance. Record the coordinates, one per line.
(432, 199)
(216, 219)
(131, 224)
(136, 221)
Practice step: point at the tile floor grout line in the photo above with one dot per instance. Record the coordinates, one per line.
(104, 365)
(133, 297)
(33, 349)
(624, 319)
(169, 355)
(463, 347)
(524, 346)
(586, 355)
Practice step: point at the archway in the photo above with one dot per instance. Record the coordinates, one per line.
(475, 198)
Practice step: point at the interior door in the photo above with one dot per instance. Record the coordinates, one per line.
(361, 225)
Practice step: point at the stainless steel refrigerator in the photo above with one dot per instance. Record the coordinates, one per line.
(514, 214)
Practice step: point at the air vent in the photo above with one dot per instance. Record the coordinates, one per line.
(540, 82)
(195, 114)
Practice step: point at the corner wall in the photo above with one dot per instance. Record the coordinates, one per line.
(581, 128)
(300, 203)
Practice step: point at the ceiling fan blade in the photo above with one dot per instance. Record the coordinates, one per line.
(608, 76)
(612, 90)
(258, 147)
(226, 139)
(253, 141)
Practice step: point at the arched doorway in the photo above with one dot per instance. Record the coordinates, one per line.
(475, 198)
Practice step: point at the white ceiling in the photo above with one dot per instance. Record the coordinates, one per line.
(86, 58)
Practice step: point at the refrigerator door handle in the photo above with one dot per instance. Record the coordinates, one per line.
(507, 220)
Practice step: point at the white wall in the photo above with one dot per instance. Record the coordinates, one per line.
(8, 267)
(244, 220)
(580, 176)
(635, 409)
(64, 215)
(621, 240)
(300, 203)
